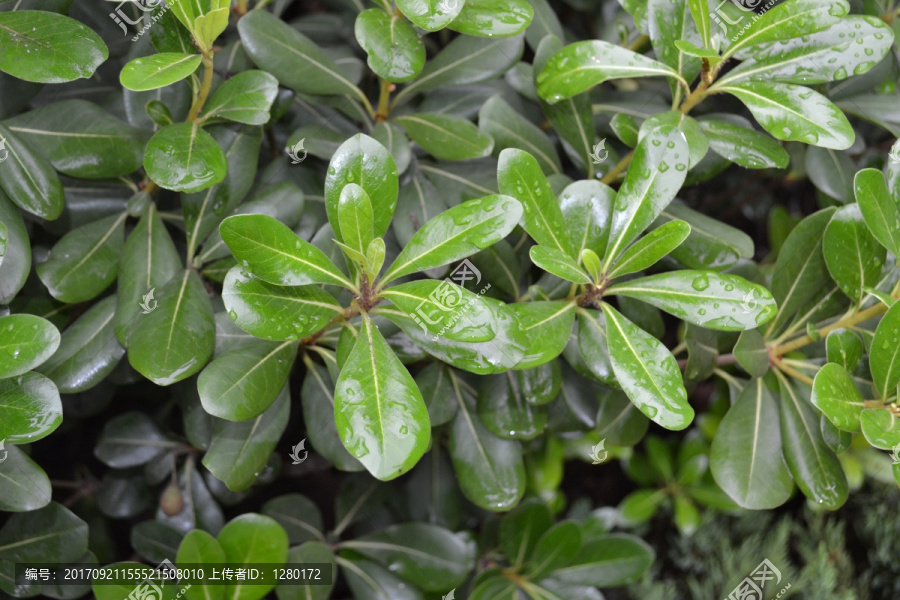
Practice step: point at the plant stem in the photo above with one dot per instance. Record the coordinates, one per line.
(384, 101)
(636, 44)
(864, 315)
(200, 100)
(618, 169)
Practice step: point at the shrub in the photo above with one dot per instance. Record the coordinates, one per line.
(454, 271)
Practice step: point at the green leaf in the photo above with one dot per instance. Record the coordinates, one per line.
(364, 161)
(853, 256)
(505, 411)
(46, 47)
(580, 66)
(746, 457)
(813, 464)
(185, 158)
(558, 263)
(252, 539)
(656, 174)
(700, 13)
(158, 70)
(395, 51)
(619, 421)
(610, 560)
(593, 346)
(85, 261)
(430, 15)
(800, 268)
(465, 60)
(294, 59)
(148, 260)
(880, 427)
(587, 208)
(16, 263)
(245, 98)
(355, 218)
(309, 553)
(49, 533)
(430, 557)
(521, 529)
(790, 20)
(490, 470)
(271, 251)
(794, 113)
(711, 244)
(457, 233)
(25, 485)
(742, 145)
(883, 352)
(242, 383)
(370, 581)
(831, 172)
(88, 352)
(130, 440)
(177, 338)
(27, 342)
(550, 322)
(647, 371)
(519, 175)
(32, 408)
(81, 139)
(879, 208)
(380, 415)
(751, 353)
(670, 24)
(299, 516)
(698, 145)
(509, 129)
(850, 47)
(845, 348)
(648, 250)
(239, 450)
(200, 548)
(706, 298)
(493, 18)
(29, 179)
(446, 137)
(317, 395)
(556, 548)
(209, 26)
(274, 312)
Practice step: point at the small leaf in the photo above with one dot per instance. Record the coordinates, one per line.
(493, 18)
(580, 66)
(743, 146)
(395, 51)
(185, 158)
(252, 539)
(431, 15)
(657, 244)
(845, 348)
(27, 341)
(853, 256)
(158, 70)
(745, 457)
(791, 20)
(355, 218)
(883, 353)
(700, 13)
(207, 27)
(794, 113)
(878, 208)
(881, 428)
(28, 178)
(32, 405)
(835, 394)
(379, 411)
(751, 353)
(698, 144)
(447, 137)
(25, 487)
(648, 372)
(242, 383)
(245, 98)
(519, 175)
(64, 49)
(271, 251)
(176, 339)
(200, 548)
(509, 129)
(85, 261)
(558, 263)
(705, 298)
